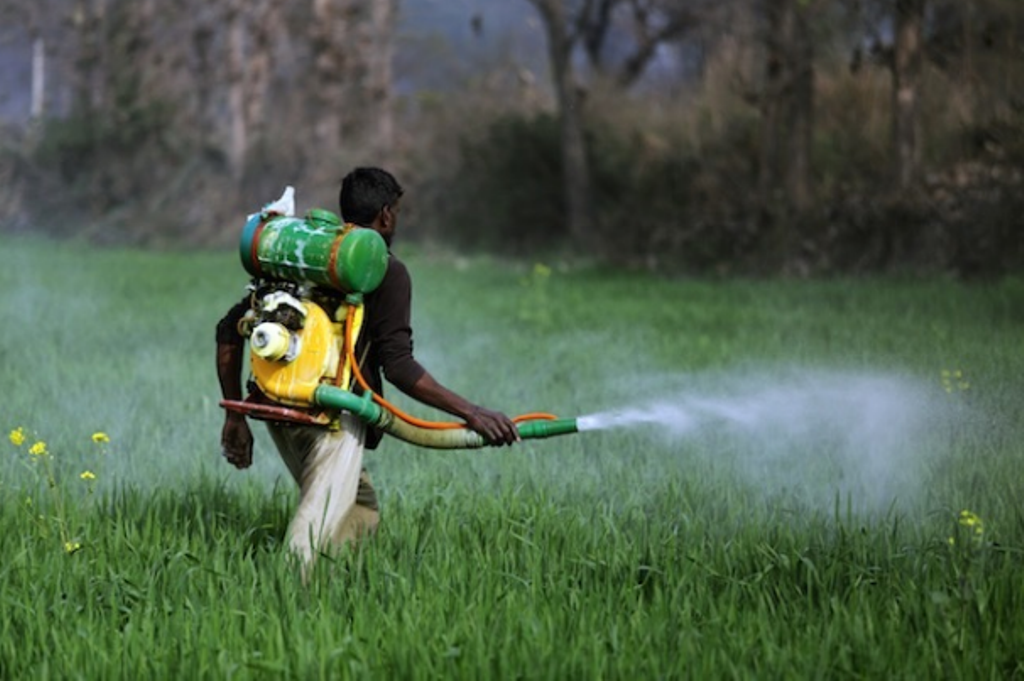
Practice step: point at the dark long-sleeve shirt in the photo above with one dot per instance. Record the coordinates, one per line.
(385, 342)
(387, 331)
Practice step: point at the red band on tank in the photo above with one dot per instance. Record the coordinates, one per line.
(332, 262)
(254, 248)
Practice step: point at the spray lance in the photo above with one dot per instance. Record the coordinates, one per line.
(309, 279)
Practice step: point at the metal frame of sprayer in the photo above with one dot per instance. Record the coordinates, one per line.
(309, 277)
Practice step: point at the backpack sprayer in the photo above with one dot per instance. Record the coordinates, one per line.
(310, 276)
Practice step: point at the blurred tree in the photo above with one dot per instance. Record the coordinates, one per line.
(252, 26)
(978, 43)
(332, 54)
(902, 54)
(32, 15)
(575, 169)
(234, 16)
(906, 72)
(645, 25)
(38, 105)
(352, 50)
(89, 21)
(380, 77)
(787, 108)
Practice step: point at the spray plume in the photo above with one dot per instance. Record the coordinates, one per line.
(863, 436)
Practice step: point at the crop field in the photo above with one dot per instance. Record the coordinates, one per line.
(781, 480)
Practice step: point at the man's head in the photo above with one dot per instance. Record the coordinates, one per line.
(369, 198)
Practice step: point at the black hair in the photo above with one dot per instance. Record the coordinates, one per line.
(364, 194)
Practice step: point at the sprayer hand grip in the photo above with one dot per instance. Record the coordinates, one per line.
(494, 427)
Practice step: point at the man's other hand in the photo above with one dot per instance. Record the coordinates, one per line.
(236, 441)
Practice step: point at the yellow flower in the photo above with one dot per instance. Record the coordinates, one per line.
(954, 381)
(71, 547)
(87, 475)
(100, 437)
(972, 520)
(17, 436)
(38, 449)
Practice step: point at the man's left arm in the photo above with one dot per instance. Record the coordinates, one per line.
(391, 332)
(493, 425)
(236, 437)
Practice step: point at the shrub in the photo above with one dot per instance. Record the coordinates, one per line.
(507, 193)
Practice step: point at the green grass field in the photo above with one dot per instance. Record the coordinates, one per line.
(846, 505)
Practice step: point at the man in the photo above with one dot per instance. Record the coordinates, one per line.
(337, 502)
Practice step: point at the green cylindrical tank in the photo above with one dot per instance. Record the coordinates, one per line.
(314, 249)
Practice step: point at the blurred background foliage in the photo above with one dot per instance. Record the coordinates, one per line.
(796, 137)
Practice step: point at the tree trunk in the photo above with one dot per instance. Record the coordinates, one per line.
(772, 103)
(379, 75)
(264, 22)
(798, 174)
(237, 129)
(785, 187)
(88, 25)
(329, 38)
(575, 168)
(787, 113)
(201, 74)
(906, 71)
(89, 99)
(37, 107)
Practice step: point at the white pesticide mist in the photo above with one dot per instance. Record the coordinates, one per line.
(864, 439)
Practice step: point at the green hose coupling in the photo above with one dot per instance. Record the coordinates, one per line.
(541, 429)
(363, 406)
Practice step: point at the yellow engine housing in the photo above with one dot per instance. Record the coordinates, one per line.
(320, 358)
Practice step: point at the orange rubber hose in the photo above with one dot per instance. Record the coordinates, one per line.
(350, 356)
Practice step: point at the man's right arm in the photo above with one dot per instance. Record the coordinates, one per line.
(236, 437)
(391, 330)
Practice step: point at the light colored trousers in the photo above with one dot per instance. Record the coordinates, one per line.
(327, 465)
